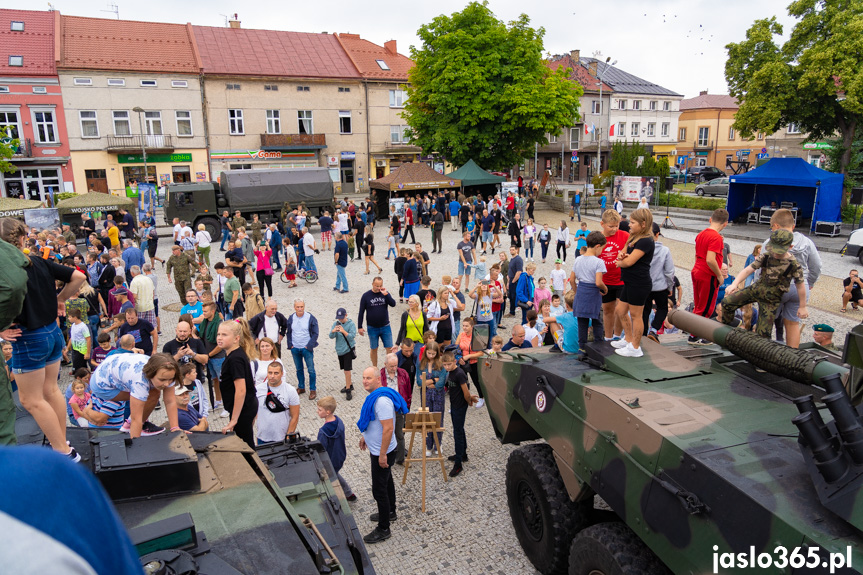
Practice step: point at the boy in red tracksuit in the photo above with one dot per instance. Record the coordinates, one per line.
(707, 271)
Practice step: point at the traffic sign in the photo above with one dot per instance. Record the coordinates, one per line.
(743, 153)
(763, 150)
(762, 156)
(681, 160)
(575, 153)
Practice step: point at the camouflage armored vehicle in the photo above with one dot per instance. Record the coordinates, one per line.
(207, 503)
(709, 460)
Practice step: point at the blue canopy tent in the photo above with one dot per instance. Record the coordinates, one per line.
(817, 192)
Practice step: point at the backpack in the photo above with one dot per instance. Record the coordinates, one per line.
(13, 283)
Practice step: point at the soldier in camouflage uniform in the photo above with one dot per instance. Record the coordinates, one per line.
(238, 222)
(68, 234)
(255, 228)
(822, 334)
(778, 269)
(183, 266)
(286, 209)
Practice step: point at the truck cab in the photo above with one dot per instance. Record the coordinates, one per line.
(195, 204)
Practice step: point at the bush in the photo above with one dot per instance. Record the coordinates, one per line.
(689, 202)
(603, 180)
(64, 196)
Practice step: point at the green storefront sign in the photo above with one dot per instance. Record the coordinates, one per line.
(154, 158)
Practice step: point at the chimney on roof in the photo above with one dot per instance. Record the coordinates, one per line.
(390, 47)
(576, 55)
(702, 93)
(592, 67)
(234, 21)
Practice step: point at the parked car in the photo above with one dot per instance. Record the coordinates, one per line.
(703, 173)
(715, 187)
(674, 172)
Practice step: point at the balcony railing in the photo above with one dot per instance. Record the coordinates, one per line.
(391, 146)
(293, 140)
(130, 144)
(23, 149)
(703, 145)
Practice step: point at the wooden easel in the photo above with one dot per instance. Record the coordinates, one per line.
(423, 421)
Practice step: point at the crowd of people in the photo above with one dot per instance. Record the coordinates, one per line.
(98, 313)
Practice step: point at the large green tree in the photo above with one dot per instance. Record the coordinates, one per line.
(814, 79)
(8, 148)
(481, 90)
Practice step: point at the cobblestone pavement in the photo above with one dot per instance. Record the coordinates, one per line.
(466, 528)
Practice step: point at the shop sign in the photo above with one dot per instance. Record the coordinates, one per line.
(349, 155)
(84, 210)
(153, 158)
(817, 146)
(332, 160)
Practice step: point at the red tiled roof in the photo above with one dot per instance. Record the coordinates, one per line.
(240, 51)
(715, 101)
(103, 44)
(35, 44)
(579, 73)
(365, 54)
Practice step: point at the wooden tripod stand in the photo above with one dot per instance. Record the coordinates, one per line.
(421, 422)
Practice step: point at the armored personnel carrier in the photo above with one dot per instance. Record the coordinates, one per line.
(207, 503)
(740, 457)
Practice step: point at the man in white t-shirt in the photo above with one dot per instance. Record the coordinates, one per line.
(270, 323)
(277, 417)
(344, 227)
(177, 229)
(309, 249)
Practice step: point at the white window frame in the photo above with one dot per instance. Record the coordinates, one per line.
(274, 121)
(116, 82)
(4, 89)
(398, 98)
(636, 104)
(574, 134)
(705, 141)
(16, 26)
(271, 87)
(651, 129)
(621, 129)
(552, 139)
(82, 81)
(301, 117)
(665, 129)
(760, 135)
(399, 133)
(731, 132)
(382, 65)
(149, 83)
(621, 104)
(179, 83)
(793, 128)
(681, 134)
(40, 89)
(178, 119)
(12, 110)
(652, 106)
(150, 122)
(594, 107)
(16, 60)
(127, 120)
(36, 124)
(236, 126)
(635, 129)
(666, 106)
(94, 119)
(346, 114)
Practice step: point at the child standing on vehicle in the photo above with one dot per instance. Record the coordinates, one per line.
(778, 269)
(588, 270)
(558, 278)
(433, 376)
(332, 436)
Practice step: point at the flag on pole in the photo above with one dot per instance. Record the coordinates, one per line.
(593, 128)
(611, 130)
(586, 130)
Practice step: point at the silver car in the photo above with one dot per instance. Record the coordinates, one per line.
(717, 187)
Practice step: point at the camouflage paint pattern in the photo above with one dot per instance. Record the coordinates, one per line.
(687, 452)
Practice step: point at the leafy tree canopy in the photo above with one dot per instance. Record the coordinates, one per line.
(624, 161)
(804, 80)
(481, 90)
(8, 148)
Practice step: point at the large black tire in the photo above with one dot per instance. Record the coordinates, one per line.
(544, 518)
(214, 228)
(612, 549)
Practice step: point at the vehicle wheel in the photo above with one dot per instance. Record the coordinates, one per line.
(213, 228)
(860, 257)
(612, 549)
(699, 191)
(544, 518)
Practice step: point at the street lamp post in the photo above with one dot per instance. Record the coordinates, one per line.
(140, 111)
(599, 143)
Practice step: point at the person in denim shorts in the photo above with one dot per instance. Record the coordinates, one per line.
(37, 343)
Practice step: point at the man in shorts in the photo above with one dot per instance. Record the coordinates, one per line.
(487, 222)
(615, 240)
(466, 258)
(374, 307)
(853, 292)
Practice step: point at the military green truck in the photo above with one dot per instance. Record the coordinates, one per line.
(262, 192)
(713, 459)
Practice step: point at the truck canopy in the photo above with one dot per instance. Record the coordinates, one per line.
(251, 189)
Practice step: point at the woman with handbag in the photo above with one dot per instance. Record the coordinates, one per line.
(344, 331)
(562, 239)
(440, 316)
(414, 324)
(485, 296)
(264, 267)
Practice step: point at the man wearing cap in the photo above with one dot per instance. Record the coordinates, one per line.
(188, 418)
(183, 265)
(823, 336)
(778, 269)
(68, 234)
(344, 332)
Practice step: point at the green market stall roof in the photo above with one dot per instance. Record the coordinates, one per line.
(14, 207)
(94, 202)
(471, 174)
(413, 176)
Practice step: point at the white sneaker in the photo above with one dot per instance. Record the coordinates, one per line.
(629, 351)
(428, 453)
(619, 343)
(480, 403)
(217, 405)
(126, 427)
(225, 413)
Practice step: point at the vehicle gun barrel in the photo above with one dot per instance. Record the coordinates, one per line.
(795, 364)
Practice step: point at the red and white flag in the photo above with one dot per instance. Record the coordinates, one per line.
(586, 130)
(611, 130)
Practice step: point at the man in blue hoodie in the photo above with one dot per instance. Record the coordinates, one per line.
(377, 424)
(332, 436)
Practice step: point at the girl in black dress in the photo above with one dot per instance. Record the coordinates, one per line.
(634, 263)
(237, 383)
(369, 249)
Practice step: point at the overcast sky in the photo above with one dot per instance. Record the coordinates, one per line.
(679, 44)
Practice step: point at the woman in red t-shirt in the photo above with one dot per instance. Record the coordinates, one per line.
(615, 240)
